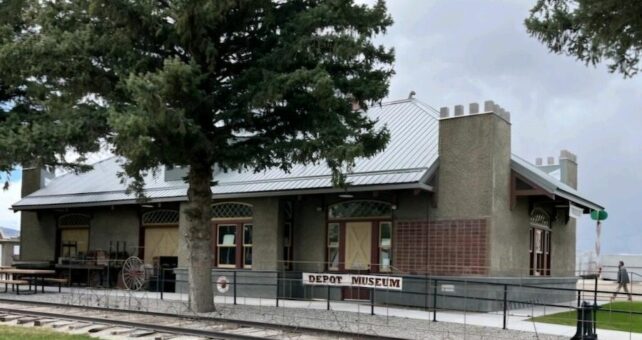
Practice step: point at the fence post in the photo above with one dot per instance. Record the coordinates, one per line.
(162, 281)
(579, 297)
(234, 290)
(327, 307)
(372, 301)
(277, 289)
(434, 301)
(505, 304)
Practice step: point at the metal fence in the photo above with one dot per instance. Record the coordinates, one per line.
(426, 301)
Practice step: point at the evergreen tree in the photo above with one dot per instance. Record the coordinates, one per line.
(240, 84)
(591, 30)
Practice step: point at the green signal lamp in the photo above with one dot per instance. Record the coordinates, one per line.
(599, 215)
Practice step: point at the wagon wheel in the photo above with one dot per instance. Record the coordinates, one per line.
(134, 275)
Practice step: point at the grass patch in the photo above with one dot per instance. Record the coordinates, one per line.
(607, 317)
(17, 332)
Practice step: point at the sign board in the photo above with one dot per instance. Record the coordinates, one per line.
(353, 280)
(575, 212)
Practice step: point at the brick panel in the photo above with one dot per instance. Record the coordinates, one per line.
(444, 247)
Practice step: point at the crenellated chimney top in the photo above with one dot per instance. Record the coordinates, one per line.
(473, 108)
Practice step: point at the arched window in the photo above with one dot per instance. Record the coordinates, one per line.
(540, 218)
(232, 234)
(360, 209)
(70, 220)
(232, 210)
(74, 234)
(163, 216)
(540, 243)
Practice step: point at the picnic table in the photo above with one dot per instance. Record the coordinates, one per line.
(12, 275)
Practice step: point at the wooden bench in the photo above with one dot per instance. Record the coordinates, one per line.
(16, 284)
(59, 281)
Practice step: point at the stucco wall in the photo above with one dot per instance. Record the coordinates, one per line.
(563, 239)
(267, 247)
(309, 235)
(120, 224)
(473, 182)
(267, 234)
(37, 236)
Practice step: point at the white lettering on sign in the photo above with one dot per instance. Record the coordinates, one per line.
(350, 280)
(448, 288)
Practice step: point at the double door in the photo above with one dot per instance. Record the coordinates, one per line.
(358, 256)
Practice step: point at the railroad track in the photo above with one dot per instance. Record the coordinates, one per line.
(111, 324)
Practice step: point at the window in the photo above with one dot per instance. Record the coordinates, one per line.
(385, 246)
(360, 209)
(539, 247)
(287, 245)
(288, 222)
(247, 246)
(232, 231)
(333, 246)
(231, 211)
(226, 245)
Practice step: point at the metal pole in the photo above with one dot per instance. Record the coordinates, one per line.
(595, 306)
(327, 307)
(579, 297)
(277, 290)
(434, 301)
(505, 304)
(234, 287)
(162, 281)
(372, 300)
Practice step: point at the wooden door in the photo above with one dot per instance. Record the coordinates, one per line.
(358, 245)
(161, 241)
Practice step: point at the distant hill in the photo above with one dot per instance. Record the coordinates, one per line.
(9, 233)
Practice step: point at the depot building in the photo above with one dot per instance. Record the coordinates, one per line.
(446, 198)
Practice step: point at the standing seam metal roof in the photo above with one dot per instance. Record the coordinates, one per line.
(408, 159)
(411, 152)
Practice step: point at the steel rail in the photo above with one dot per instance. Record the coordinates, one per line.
(177, 330)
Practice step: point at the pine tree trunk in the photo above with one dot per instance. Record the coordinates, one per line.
(199, 259)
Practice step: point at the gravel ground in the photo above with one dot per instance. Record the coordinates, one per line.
(366, 324)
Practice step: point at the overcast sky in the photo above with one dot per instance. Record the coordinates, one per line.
(457, 52)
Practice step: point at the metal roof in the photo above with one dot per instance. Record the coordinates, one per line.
(551, 184)
(408, 160)
(410, 155)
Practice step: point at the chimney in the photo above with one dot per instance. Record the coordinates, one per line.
(34, 179)
(568, 168)
(474, 161)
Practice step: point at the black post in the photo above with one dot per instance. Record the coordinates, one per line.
(505, 303)
(234, 287)
(162, 281)
(595, 306)
(372, 301)
(579, 297)
(277, 290)
(328, 302)
(434, 301)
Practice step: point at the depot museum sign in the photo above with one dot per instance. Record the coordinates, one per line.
(353, 280)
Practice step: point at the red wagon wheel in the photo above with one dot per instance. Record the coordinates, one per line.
(134, 274)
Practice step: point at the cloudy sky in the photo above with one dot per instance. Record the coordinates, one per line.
(457, 52)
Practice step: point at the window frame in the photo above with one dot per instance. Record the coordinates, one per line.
(387, 247)
(245, 246)
(219, 245)
(336, 246)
